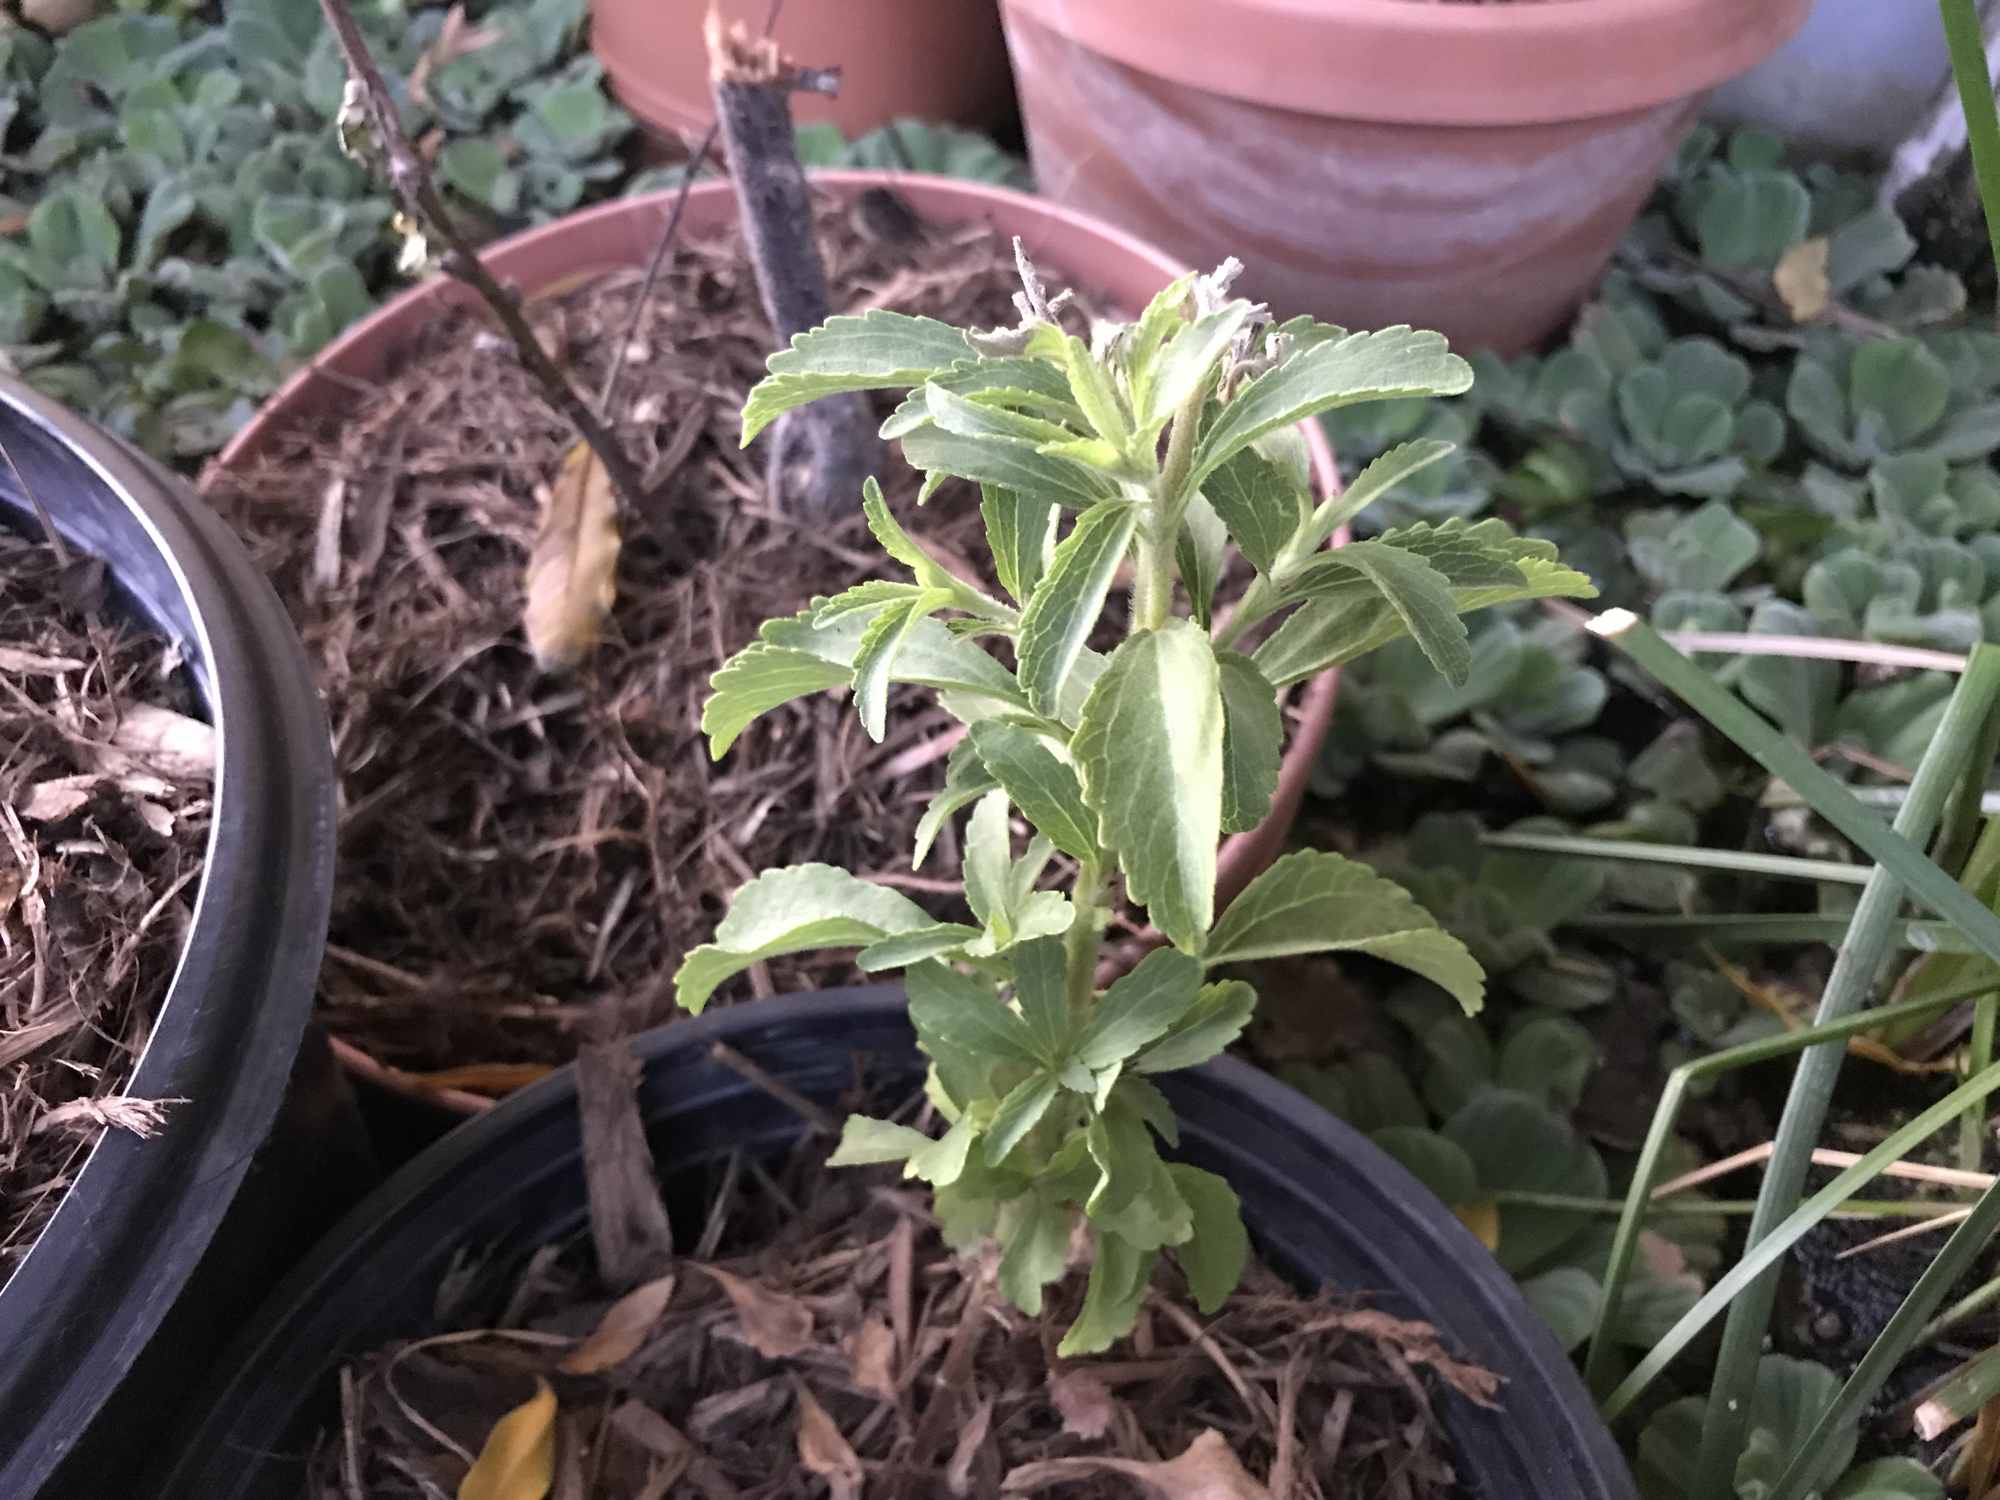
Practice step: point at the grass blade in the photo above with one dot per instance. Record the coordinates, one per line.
(1778, 866)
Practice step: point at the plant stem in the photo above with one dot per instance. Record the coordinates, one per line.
(1153, 578)
(1854, 1208)
(1972, 1303)
(1972, 1127)
(412, 184)
(1967, 46)
(1849, 987)
(1741, 929)
(1780, 866)
(1081, 943)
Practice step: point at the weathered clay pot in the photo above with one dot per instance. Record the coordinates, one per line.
(927, 59)
(1464, 167)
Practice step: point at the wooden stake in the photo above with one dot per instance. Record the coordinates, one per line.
(820, 453)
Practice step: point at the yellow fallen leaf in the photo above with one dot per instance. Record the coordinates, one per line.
(624, 1328)
(1208, 1470)
(825, 1452)
(1483, 1219)
(776, 1325)
(1800, 277)
(572, 570)
(519, 1459)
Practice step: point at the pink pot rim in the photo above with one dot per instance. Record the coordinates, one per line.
(1042, 225)
(1420, 62)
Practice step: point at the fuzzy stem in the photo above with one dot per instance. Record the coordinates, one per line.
(1081, 943)
(1153, 579)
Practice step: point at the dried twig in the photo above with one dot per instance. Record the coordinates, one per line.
(412, 185)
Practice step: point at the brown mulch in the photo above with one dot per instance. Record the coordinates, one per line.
(105, 779)
(837, 1348)
(525, 858)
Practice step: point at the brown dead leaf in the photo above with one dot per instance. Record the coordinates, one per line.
(167, 742)
(53, 800)
(155, 817)
(776, 1325)
(1085, 1402)
(141, 1117)
(1800, 277)
(825, 1452)
(1208, 1470)
(871, 1356)
(519, 1459)
(58, 17)
(572, 569)
(622, 1331)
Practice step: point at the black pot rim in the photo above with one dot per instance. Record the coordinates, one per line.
(1533, 1362)
(109, 1265)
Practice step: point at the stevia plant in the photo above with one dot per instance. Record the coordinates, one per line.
(1163, 444)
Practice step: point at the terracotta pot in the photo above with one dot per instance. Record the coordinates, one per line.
(1461, 167)
(924, 59)
(616, 236)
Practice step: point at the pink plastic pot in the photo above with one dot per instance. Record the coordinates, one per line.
(616, 236)
(1464, 167)
(927, 59)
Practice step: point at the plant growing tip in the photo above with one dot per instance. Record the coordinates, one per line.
(1166, 441)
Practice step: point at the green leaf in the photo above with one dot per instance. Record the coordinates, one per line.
(1095, 395)
(790, 911)
(1214, 1258)
(1888, 1479)
(984, 419)
(931, 574)
(1201, 553)
(877, 350)
(1020, 1112)
(1568, 1299)
(1008, 463)
(1031, 385)
(937, 941)
(1549, 1059)
(1253, 735)
(941, 1162)
(1437, 1163)
(875, 661)
(1140, 1007)
(966, 779)
(1150, 749)
(1187, 361)
(956, 1014)
(1034, 1249)
(1118, 1280)
(1311, 901)
(1021, 531)
(817, 649)
(1069, 600)
(1370, 485)
(1518, 1144)
(1360, 367)
(989, 861)
(865, 1142)
(1422, 598)
(1900, 388)
(1043, 787)
(1258, 502)
(1041, 992)
(1135, 1198)
(1216, 1019)
(1461, 1063)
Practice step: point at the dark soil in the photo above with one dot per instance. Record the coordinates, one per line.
(525, 858)
(105, 777)
(837, 1348)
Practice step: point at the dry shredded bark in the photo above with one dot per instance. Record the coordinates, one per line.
(525, 858)
(843, 1350)
(101, 848)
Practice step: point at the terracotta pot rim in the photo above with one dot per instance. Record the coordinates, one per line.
(1417, 62)
(364, 348)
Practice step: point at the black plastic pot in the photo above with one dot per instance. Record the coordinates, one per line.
(1323, 1204)
(163, 1246)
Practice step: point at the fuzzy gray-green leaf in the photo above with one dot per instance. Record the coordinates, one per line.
(1021, 531)
(875, 351)
(1253, 736)
(1045, 789)
(1140, 1007)
(1217, 1018)
(1213, 1259)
